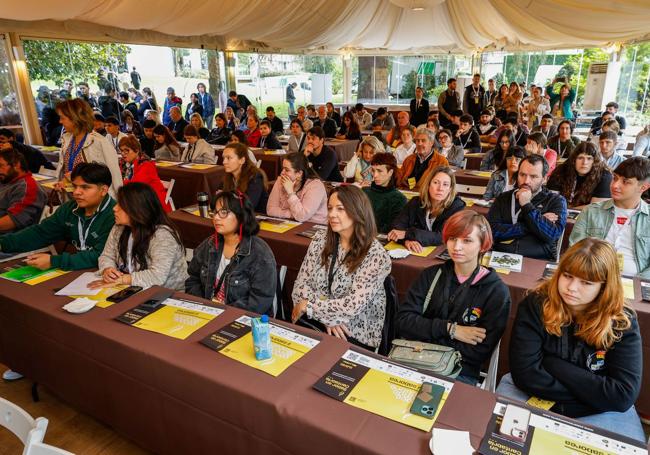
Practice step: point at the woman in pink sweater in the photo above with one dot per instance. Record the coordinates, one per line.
(298, 192)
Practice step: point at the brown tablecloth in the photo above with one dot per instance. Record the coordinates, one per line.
(178, 397)
(191, 181)
(473, 161)
(344, 149)
(467, 178)
(289, 250)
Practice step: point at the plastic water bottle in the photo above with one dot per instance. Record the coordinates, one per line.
(262, 338)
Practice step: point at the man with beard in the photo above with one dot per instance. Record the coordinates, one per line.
(21, 199)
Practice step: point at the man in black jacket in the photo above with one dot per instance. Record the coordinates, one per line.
(529, 220)
(474, 98)
(147, 141)
(35, 158)
(177, 124)
(276, 124)
(108, 105)
(327, 124)
(322, 158)
(419, 108)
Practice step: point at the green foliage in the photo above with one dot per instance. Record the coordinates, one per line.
(571, 69)
(57, 60)
(413, 79)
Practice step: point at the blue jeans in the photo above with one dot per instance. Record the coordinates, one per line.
(208, 122)
(624, 423)
(465, 379)
(292, 108)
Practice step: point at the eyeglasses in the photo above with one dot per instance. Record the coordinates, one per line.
(504, 142)
(222, 213)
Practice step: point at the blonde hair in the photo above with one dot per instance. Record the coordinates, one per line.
(197, 115)
(79, 113)
(426, 202)
(603, 321)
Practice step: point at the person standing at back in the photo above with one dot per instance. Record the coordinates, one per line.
(448, 103)
(206, 101)
(474, 98)
(419, 108)
(136, 79)
(291, 98)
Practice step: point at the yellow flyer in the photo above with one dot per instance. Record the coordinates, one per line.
(172, 317)
(45, 277)
(198, 166)
(167, 163)
(276, 225)
(50, 185)
(426, 250)
(103, 295)
(409, 194)
(236, 341)
(380, 386)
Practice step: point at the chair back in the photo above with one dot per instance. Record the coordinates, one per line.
(20, 423)
(40, 448)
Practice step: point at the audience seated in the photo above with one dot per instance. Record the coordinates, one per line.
(467, 137)
(386, 200)
(418, 164)
(459, 303)
(220, 134)
(147, 140)
(21, 198)
(384, 120)
(233, 121)
(393, 138)
(143, 248)
(277, 127)
(546, 127)
(536, 145)
(197, 150)
(341, 280)
(113, 133)
(485, 126)
(623, 220)
(453, 152)
(196, 120)
(322, 158)
(176, 123)
(234, 266)
(298, 193)
(268, 139)
(611, 108)
(325, 123)
(363, 117)
(493, 157)
(301, 114)
(349, 128)
(297, 138)
(33, 156)
(608, 152)
(563, 142)
(505, 177)
(331, 113)
(358, 168)
(406, 148)
(598, 378)
(583, 178)
(530, 219)
(641, 145)
(166, 147)
(420, 222)
(252, 130)
(83, 222)
(242, 175)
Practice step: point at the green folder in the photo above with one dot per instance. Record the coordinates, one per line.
(22, 274)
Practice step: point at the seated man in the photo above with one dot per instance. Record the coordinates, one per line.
(83, 222)
(611, 108)
(611, 156)
(485, 126)
(21, 198)
(546, 127)
(383, 121)
(364, 119)
(147, 141)
(35, 158)
(530, 219)
(113, 133)
(301, 114)
(623, 220)
(467, 137)
(322, 158)
(276, 124)
(177, 123)
(425, 159)
(327, 124)
(98, 124)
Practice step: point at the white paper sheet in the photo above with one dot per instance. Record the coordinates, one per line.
(80, 285)
(450, 442)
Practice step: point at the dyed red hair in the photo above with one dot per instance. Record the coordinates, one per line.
(461, 224)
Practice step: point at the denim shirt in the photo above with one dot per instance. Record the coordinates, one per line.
(596, 220)
(250, 282)
(496, 184)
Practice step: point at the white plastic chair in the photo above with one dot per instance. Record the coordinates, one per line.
(20, 423)
(490, 378)
(558, 247)
(169, 186)
(281, 275)
(39, 448)
(470, 189)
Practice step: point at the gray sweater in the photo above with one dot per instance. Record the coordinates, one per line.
(165, 257)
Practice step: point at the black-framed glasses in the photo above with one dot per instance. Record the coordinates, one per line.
(222, 213)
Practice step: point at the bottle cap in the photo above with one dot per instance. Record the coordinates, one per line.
(264, 318)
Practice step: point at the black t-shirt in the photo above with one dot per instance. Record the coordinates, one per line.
(601, 189)
(326, 165)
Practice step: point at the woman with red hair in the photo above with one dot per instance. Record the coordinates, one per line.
(470, 305)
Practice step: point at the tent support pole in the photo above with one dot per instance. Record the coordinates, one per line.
(347, 79)
(231, 78)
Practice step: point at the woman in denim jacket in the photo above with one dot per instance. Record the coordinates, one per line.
(234, 266)
(505, 177)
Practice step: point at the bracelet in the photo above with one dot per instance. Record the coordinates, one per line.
(452, 331)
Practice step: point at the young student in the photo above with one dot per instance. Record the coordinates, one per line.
(268, 140)
(197, 150)
(505, 177)
(583, 178)
(493, 157)
(467, 137)
(341, 279)
(623, 220)
(546, 127)
(297, 138)
(34, 157)
(244, 176)
(564, 142)
(234, 266)
(138, 168)
(576, 343)
(470, 305)
(298, 193)
(611, 156)
(406, 148)
(485, 126)
(386, 200)
(536, 144)
(420, 222)
(321, 157)
(166, 146)
(113, 133)
(84, 222)
(454, 153)
(349, 128)
(147, 140)
(143, 248)
(359, 165)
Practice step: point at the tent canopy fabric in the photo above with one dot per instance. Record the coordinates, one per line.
(337, 26)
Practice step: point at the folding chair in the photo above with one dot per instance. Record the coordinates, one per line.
(39, 448)
(277, 300)
(20, 423)
(490, 378)
(169, 186)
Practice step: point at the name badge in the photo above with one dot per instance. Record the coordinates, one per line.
(476, 100)
(411, 183)
(621, 260)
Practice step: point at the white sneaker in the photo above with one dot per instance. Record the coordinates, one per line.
(10, 375)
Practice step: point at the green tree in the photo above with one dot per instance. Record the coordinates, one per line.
(57, 60)
(571, 69)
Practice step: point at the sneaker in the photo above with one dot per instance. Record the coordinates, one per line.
(10, 375)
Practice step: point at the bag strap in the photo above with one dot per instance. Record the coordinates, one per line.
(431, 288)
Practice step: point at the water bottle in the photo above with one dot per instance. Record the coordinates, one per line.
(203, 200)
(262, 338)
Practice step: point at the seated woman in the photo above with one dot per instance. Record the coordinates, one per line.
(268, 140)
(470, 305)
(386, 200)
(406, 148)
(143, 248)
(239, 136)
(420, 222)
(197, 122)
(220, 134)
(341, 279)
(232, 122)
(197, 150)
(349, 128)
(252, 130)
(454, 153)
(165, 147)
(136, 167)
(130, 125)
(298, 193)
(583, 178)
(576, 343)
(493, 157)
(234, 266)
(244, 176)
(359, 165)
(505, 177)
(298, 137)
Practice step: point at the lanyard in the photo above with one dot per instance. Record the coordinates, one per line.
(115, 141)
(460, 139)
(559, 148)
(515, 215)
(83, 235)
(75, 151)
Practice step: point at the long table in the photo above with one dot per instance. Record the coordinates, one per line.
(188, 182)
(290, 249)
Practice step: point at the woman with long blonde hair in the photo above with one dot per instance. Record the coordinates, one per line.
(576, 343)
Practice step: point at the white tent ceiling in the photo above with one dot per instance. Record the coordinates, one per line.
(335, 26)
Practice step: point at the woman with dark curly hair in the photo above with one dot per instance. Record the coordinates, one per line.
(583, 178)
